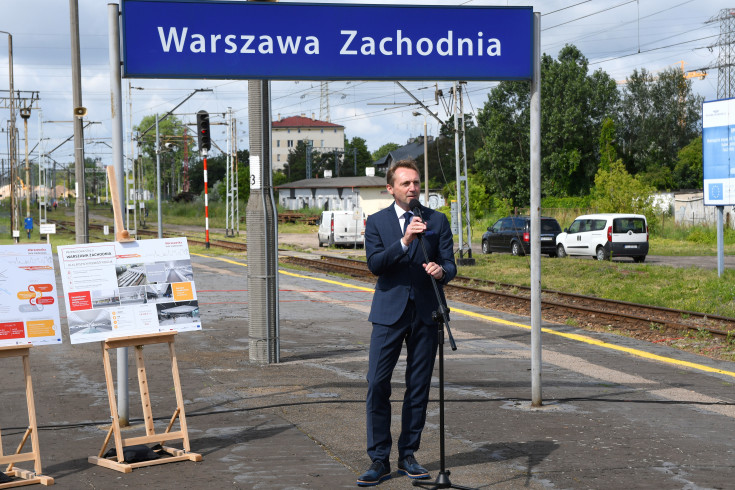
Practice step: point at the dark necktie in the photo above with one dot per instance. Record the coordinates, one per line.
(406, 220)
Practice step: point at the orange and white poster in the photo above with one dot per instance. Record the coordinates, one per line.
(29, 306)
(117, 289)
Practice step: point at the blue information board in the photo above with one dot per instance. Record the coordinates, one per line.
(289, 41)
(718, 145)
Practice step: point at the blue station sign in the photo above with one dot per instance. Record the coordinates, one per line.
(296, 41)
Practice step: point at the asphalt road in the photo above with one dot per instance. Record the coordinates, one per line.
(703, 261)
(309, 240)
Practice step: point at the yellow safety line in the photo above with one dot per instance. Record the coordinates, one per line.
(589, 340)
(571, 336)
(219, 258)
(328, 281)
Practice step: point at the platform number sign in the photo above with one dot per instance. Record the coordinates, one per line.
(255, 173)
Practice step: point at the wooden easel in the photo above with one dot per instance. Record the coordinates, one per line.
(26, 477)
(117, 462)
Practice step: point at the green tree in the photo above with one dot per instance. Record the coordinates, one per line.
(688, 171)
(295, 167)
(384, 150)
(504, 157)
(616, 191)
(441, 162)
(608, 150)
(216, 168)
(173, 138)
(479, 199)
(445, 142)
(94, 177)
(356, 151)
(659, 115)
(573, 107)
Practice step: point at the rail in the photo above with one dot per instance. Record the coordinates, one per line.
(554, 303)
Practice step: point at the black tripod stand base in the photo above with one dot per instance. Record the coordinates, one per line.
(442, 481)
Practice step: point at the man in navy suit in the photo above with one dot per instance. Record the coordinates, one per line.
(402, 308)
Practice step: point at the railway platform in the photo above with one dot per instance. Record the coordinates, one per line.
(617, 412)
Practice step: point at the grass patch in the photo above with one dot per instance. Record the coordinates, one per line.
(691, 288)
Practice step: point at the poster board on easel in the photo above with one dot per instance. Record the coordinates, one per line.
(131, 294)
(29, 315)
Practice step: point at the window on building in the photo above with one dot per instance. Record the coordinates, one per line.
(278, 157)
(290, 143)
(299, 130)
(288, 131)
(322, 130)
(278, 143)
(321, 142)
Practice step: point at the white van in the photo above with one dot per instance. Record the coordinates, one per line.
(341, 228)
(604, 236)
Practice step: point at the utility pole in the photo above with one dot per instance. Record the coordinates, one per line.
(43, 189)
(324, 101)
(461, 173)
(463, 134)
(130, 184)
(230, 177)
(25, 113)
(426, 166)
(81, 219)
(726, 56)
(236, 190)
(14, 224)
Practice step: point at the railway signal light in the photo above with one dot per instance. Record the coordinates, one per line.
(203, 137)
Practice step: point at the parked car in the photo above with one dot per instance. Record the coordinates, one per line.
(341, 228)
(604, 236)
(513, 234)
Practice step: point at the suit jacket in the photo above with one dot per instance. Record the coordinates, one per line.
(400, 272)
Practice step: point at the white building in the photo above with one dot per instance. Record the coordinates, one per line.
(334, 194)
(689, 209)
(287, 132)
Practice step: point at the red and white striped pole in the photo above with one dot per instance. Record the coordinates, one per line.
(204, 141)
(206, 204)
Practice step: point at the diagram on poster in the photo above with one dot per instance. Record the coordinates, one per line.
(29, 306)
(117, 289)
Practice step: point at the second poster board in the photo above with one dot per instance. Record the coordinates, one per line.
(115, 289)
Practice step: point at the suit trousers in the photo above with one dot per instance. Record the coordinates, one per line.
(386, 343)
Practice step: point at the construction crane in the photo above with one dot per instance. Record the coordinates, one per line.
(687, 74)
(691, 74)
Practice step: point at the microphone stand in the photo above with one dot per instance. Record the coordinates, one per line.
(441, 317)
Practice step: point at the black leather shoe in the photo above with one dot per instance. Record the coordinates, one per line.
(409, 466)
(378, 472)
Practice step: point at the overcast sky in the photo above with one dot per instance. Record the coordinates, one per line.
(616, 36)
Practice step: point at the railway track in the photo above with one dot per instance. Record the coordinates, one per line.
(556, 305)
(229, 245)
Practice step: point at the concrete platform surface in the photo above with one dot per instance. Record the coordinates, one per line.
(617, 413)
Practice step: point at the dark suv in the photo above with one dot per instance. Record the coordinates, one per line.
(513, 234)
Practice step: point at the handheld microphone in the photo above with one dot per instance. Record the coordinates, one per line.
(415, 206)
